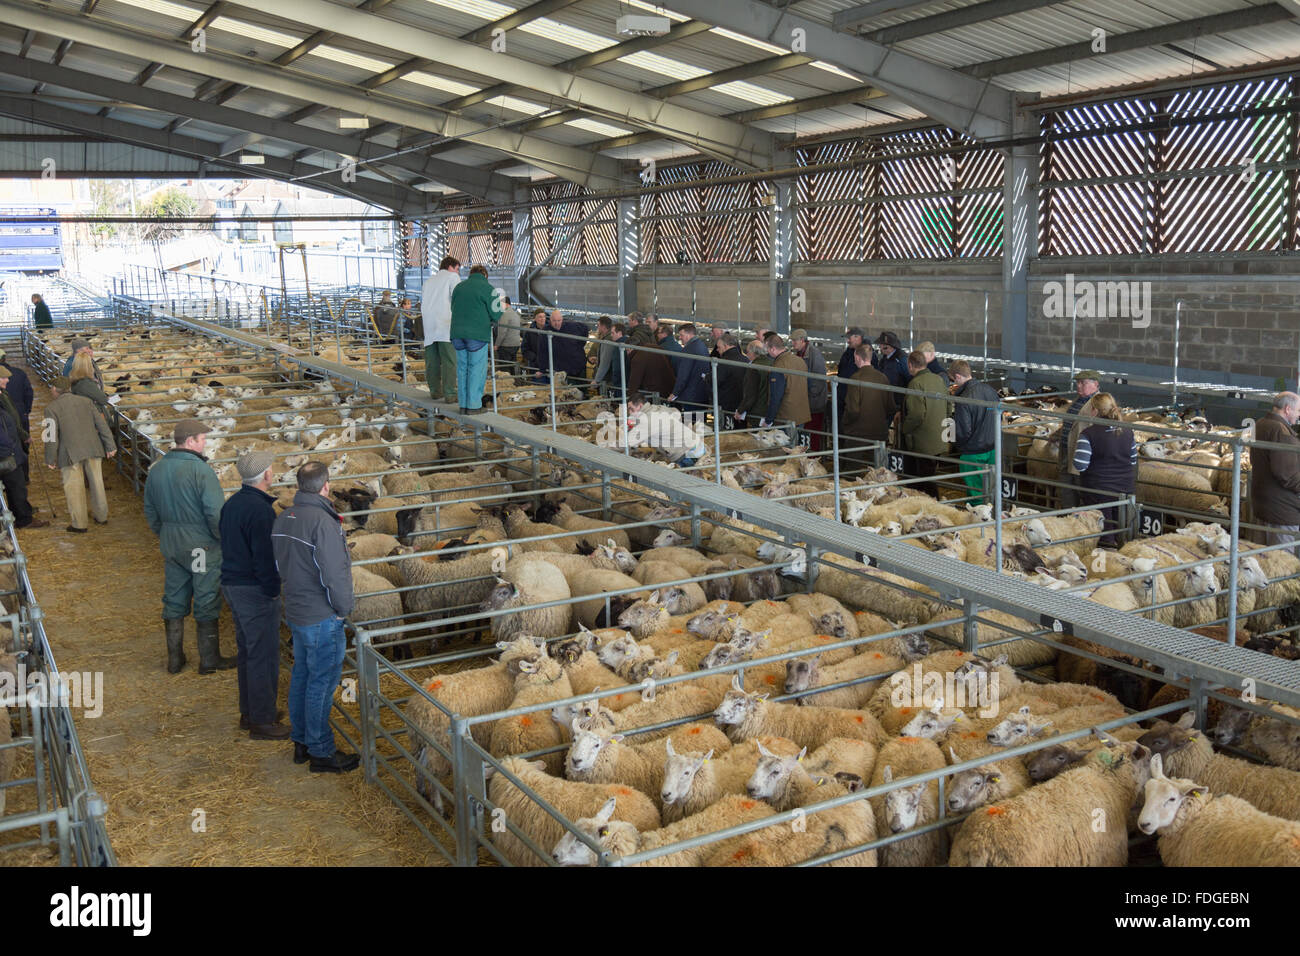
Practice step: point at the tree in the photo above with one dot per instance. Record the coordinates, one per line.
(165, 204)
(106, 197)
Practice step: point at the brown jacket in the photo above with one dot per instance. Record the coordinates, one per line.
(1275, 475)
(867, 411)
(794, 403)
(80, 431)
(649, 371)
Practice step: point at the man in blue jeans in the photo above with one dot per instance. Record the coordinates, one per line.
(316, 576)
(252, 589)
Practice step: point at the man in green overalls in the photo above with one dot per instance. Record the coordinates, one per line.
(182, 503)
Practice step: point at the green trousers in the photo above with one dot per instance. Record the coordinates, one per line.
(977, 481)
(440, 370)
(192, 578)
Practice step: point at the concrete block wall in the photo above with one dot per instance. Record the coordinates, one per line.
(1240, 321)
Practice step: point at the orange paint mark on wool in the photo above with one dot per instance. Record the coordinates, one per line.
(740, 854)
(1100, 697)
(858, 719)
(693, 731)
(769, 679)
(825, 637)
(878, 656)
(623, 791)
(971, 734)
(771, 604)
(748, 804)
(960, 653)
(677, 630)
(905, 710)
(909, 740)
(525, 721)
(433, 685)
(995, 811)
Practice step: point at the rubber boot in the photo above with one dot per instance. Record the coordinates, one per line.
(175, 643)
(210, 659)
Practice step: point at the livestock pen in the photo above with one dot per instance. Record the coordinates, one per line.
(47, 801)
(529, 456)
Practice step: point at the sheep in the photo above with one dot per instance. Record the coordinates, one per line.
(519, 526)
(987, 783)
(522, 584)
(572, 564)
(1023, 724)
(438, 585)
(692, 780)
(828, 615)
(993, 625)
(1187, 753)
(732, 538)
(1076, 819)
(784, 783)
(620, 839)
(1086, 526)
(674, 702)
(661, 572)
(688, 558)
(370, 607)
(872, 590)
(1278, 741)
(1200, 581)
(785, 780)
(1176, 486)
(759, 585)
(644, 618)
(573, 799)
(537, 682)
(482, 690)
(601, 611)
(599, 532)
(604, 758)
(905, 808)
(803, 673)
(587, 674)
(1200, 829)
(1282, 594)
(748, 715)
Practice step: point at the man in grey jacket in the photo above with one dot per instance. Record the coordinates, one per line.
(315, 570)
(818, 387)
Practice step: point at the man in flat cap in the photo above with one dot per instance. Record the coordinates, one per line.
(1086, 385)
(182, 503)
(251, 584)
(81, 442)
(891, 362)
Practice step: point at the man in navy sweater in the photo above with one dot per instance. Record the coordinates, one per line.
(694, 389)
(251, 584)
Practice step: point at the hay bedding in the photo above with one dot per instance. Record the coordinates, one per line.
(168, 745)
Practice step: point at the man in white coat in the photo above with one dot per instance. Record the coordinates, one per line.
(435, 308)
(662, 428)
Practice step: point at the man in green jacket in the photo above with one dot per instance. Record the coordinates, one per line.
(476, 309)
(925, 415)
(182, 503)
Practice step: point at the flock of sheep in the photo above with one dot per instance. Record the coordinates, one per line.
(638, 605)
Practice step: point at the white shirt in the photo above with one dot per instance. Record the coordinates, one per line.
(435, 305)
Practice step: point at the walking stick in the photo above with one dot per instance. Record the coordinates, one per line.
(44, 487)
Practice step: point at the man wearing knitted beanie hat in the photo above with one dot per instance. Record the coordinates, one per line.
(251, 585)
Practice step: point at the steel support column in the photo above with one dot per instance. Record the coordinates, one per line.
(782, 252)
(522, 232)
(1019, 238)
(629, 253)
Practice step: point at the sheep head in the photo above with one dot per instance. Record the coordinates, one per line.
(1037, 533)
(614, 836)
(833, 623)
(931, 722)
(1164, 797)
(644, 617)
(737, 705)
(802, 673)
(679, 774)
(1016, 729)
(614, 654)
(668, 539)
(1250, 574)
(971, 788)
(503, 594)
(772, 775)
(902, 806)
(585, 748)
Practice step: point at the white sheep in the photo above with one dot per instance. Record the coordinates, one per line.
(571, 798)
(1200, 829)
(905, 808)
(538, 681)
(1079, 818)
(694, 779)
(749, 715)
(620, 838)
(526, 583)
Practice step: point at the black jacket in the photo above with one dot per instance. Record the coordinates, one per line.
(20, 390)
(10, 442)
(41, 317)
(247, 559)
(730, 380)
(693, 385)
(895, 369)
(570, 354)
(939, 369)
(313, 560)
(975, 427)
